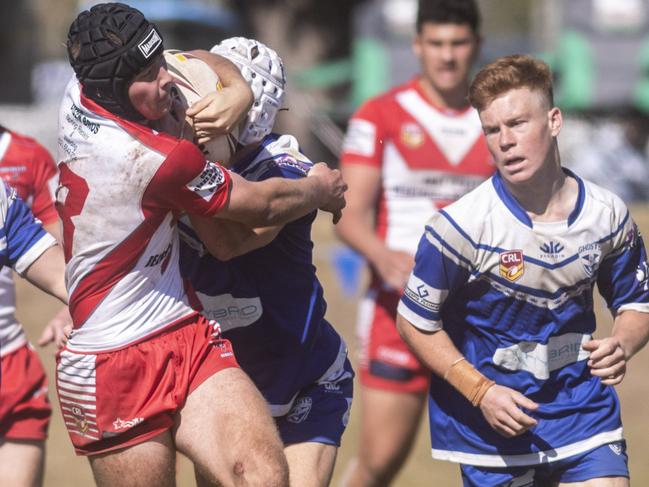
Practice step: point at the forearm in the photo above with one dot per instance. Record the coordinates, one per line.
(433, 349)
(631, 328)
(357, 232)
(226, 239)
(439, 354)
(228, 73)
(277, 201)
(47, 273)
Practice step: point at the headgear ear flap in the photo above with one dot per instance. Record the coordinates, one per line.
(108, 46)
(263, 69)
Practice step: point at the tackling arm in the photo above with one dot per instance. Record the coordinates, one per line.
(219, 112)
(277, 201)
(226, 239)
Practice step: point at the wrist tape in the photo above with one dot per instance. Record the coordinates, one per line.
(468, 381)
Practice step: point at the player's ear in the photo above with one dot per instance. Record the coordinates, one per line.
(555, 121)
(416, 45)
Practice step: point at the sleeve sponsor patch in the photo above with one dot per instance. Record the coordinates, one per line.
(360, 138)
(208, 181)
(426, 296)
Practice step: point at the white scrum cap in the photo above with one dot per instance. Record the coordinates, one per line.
(194, 79)
(263, 69)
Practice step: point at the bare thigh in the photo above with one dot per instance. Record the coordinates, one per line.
(601, 482)
(22, 463)
(310, 464)
(225, 428)
(389, 422)
(150, 463)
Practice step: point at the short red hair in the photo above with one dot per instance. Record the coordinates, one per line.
(509, 73)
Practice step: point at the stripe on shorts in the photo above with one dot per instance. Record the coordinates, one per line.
(76, 384)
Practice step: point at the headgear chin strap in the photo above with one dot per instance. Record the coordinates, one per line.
(108, 46)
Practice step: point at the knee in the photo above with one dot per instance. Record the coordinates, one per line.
(261, 467)
(378, 470)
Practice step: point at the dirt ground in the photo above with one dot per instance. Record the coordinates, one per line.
(66, 470)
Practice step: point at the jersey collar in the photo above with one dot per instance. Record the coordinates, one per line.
(517, 210)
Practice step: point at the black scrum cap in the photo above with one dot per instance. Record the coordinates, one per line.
(108, 46)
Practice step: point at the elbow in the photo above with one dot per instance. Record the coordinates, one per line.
(403, 327)
(223, 253)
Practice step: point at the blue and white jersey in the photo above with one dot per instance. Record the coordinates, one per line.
(516, 298)
(269, 302)
(22, 241)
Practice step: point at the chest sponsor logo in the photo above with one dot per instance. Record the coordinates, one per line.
(207, 182)
(551, 250)
(162, 257)
(79, 115)
(512, 265)
(300, 410)
(590, 255)
(412, 136)
(230, 312)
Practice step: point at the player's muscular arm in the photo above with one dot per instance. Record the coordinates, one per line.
(356, 228)
(609, 356)
(59, 327)
(47, 273)
(500, 406)
(226, 239)
(277, 201)
(219, 112)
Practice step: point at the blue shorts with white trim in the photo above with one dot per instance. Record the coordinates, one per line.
(608, 460)
(320, 412)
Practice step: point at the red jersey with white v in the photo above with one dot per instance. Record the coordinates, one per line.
(28, 167)
(121, 185)
(428, 158)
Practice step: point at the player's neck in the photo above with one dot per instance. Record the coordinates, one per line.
(550, 197)
(455, 99)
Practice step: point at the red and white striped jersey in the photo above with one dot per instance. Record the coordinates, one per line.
(428, 158)
(29, 168)
(121, 187)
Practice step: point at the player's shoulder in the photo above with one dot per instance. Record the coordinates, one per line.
(603, 202)
(472, 210)
(280, 156)
(26, 145)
